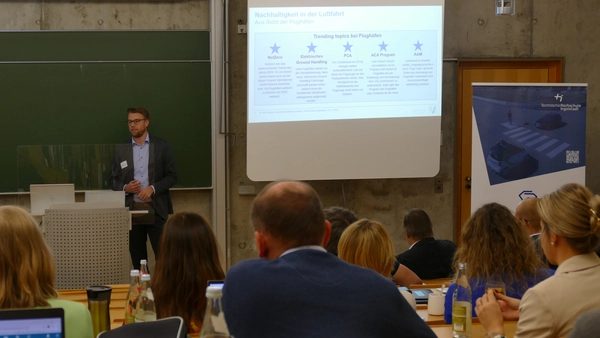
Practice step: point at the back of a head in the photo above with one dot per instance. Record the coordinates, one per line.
(368, 244)
(188, 257)
(340, 218)
(527, 213)
(26, 264)
(417, 224)
(291, 212)
(494, 243)
(573, 213)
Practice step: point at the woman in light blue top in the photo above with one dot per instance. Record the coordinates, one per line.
(28, 272)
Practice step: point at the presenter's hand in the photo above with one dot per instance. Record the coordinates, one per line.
(133, 187)
(146, 194)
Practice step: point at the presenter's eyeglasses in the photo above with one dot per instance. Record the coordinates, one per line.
(134, 122)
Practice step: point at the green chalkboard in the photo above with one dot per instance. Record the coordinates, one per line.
(71, 90)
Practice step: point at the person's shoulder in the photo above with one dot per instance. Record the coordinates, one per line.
(248, 266)
(67, 304)
(586, 325)
(446, 242)
(155, 139)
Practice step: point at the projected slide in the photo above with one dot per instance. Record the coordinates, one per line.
(344, 89)
(328, 63)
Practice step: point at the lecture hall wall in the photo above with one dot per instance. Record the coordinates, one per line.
(541, 28)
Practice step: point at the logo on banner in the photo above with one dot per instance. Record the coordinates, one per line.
(525, 194)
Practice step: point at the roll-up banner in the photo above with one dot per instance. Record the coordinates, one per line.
(528, 140)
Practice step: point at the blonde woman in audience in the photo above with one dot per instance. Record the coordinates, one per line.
(27, 272)
(368, 244)
(570, 231)
(496, 246)
(188, 257)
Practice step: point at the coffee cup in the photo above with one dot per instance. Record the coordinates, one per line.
(435, 304)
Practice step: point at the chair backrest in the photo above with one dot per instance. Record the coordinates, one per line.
(172, 327)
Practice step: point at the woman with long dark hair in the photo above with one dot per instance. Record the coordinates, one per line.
(188, 258)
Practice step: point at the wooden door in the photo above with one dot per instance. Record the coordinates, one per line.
(469, 71)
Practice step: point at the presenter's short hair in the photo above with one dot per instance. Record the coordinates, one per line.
(290, 211)
(139, 110)
(27, 268)
(418, 224)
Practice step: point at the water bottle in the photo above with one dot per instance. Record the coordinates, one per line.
(461, 305)
(132, 295)
(214, 325)
(145, 309)
(143, 269)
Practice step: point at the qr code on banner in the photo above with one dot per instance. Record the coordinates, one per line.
(572, 156)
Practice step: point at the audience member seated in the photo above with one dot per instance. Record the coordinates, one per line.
(569, 235)
(188, 257)
(428, 257)
(27, 272)
(297, 289)
(527, 213)
(340, 218)
(587, 326)
(495, 246)
(368, 244)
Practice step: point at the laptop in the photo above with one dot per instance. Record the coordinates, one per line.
(104, 196)
(216, 283)
(421, 295)
(44, 195)
(39, 322)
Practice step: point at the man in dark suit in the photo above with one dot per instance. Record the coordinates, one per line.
(144, 168)
(428, 257)
(298, 290)
(527, 213)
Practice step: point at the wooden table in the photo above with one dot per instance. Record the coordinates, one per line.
(445, 331)
(429, 319)
(119, 293)
(117, 301)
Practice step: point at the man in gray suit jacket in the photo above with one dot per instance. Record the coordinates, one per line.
(144, 168)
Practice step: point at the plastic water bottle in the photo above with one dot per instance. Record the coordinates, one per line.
(461, 305)
(132, 294)
(214, 325)
(145, 310)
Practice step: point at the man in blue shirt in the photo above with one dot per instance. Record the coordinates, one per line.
(144, 168)
(298, 290)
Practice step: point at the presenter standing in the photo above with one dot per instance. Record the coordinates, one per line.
(144, 168)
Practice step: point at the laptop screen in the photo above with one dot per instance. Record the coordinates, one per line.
(32, 323)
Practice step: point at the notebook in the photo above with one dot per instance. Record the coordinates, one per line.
(32, 323)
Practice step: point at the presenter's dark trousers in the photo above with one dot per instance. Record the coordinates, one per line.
(148, 227)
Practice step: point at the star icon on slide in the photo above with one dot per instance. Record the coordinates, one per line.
(311, 48)
(383, 46)
(275, 48)
(347, 47)
(417, 45)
